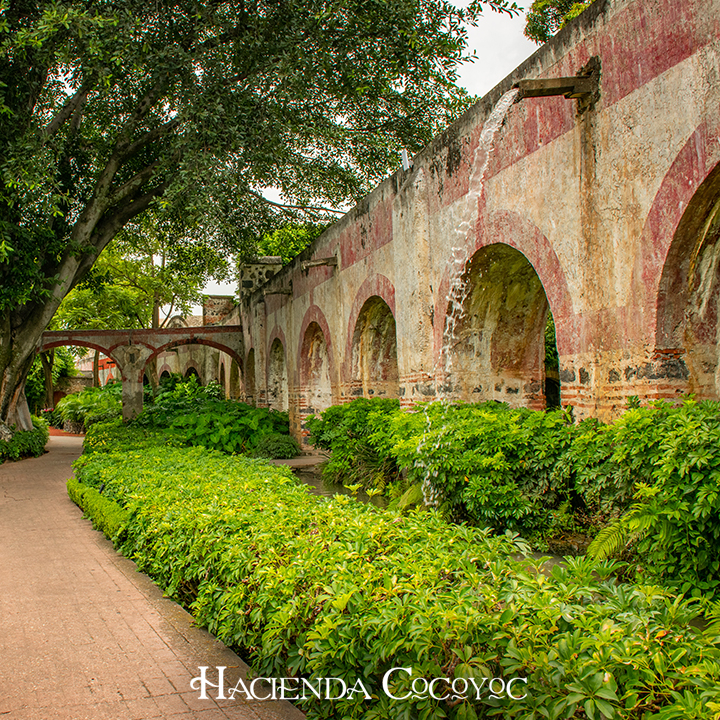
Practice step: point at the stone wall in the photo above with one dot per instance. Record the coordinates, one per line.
(605, 217)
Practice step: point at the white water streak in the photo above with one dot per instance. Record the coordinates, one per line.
(464, 212)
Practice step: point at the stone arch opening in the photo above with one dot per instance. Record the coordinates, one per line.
(315, 382)
(374, 364)
(165, 375)
(235, 383)
(495, 339)
(192, 371)
(687, 345)
(277, 377)
(250, 397)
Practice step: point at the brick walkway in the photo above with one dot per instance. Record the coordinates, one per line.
(82, 633)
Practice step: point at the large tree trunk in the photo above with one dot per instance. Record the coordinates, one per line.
(48, 360)
(17, 351)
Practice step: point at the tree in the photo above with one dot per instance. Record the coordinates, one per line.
(190, 109)
(546, 17)
(290, 240)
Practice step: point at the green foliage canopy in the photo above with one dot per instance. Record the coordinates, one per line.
(109, 109)
(546, 17)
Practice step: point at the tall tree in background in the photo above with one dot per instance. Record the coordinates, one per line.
(190, 108)
(546, 17)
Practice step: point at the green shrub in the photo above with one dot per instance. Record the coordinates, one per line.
(26, 443)
(357, 434)
(675, 524)
(339, 589)
(194, 415)
(485, 463)
(107, 516)
(277, 446)
(83, 407)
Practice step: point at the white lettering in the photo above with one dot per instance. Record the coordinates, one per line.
(386, 680)
(203, 682)
(478, 689)
(317, 693)
(254, 692)
(328, 693)
(284, 689)
(362, 689)
(460, 694)
(509, 691)
(240, 687)
(494, 695)
(432, 688)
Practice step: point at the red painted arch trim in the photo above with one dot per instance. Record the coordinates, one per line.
(315, 314)
(505, 227)
(373, 286)
(690, 168)
(76, 343)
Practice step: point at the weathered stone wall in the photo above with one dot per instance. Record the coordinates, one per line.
(604, 218)
(609, 219)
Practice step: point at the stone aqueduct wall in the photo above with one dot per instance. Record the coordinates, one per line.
(610, 219)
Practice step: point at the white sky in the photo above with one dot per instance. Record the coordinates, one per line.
(500, 46)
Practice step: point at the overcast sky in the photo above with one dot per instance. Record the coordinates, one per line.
(500, 46)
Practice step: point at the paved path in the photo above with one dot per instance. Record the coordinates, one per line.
(83, 635)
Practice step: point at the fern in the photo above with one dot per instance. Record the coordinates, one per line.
(625, 531)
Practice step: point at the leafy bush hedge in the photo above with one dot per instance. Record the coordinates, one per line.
(26, 443)
(340, 589)
(675, 523)
(357, 434)
(91, 405)
(194, 415)
(539, 474)
(107, 515)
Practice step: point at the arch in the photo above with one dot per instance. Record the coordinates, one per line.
(509, 228)
(690, 169)
(316, 389)
(315, 315)
(49, 345)
(277, 377)
(165, 371)
(235, 388)
(687, 333)
(494, 345)
(373, 356)
(165, 374)
(191, 370)
(250, 388)
(192, 341)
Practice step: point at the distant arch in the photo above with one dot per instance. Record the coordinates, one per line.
(180, 342)
(250, 389)
(192, 371)
(316, 389)
(236, 384)
(277, 377)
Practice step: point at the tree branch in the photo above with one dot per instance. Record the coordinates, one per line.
(133, 184)
(73, 107)
(151, 136)
(295, 207)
